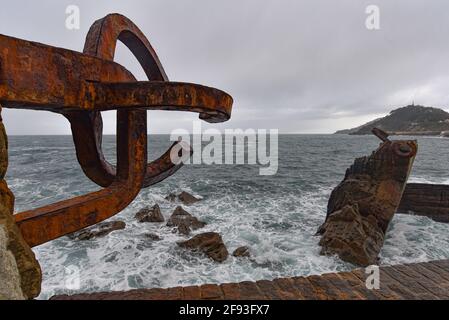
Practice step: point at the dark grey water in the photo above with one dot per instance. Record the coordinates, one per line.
(276, 216)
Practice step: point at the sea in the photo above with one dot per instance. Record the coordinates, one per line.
(276, 216)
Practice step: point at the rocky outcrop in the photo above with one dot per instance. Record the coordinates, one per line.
(362, 205)
(150, 214)
(241, 252)
(3, 149)
(354, 238)
(20, 273)
(429, 200)
(184, 221)
(209, 243)
(10, 288)
(185, 197)
(25, 260)
(97, 231)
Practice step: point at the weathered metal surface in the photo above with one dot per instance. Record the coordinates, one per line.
(382, 135)
(80, 85)
(361, 207)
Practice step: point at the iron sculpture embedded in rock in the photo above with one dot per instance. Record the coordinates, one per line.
(363, 204)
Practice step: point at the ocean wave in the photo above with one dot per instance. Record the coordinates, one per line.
(277, 217)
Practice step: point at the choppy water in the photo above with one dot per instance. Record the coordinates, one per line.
(276, 216)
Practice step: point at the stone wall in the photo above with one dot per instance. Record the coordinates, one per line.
(429, 200)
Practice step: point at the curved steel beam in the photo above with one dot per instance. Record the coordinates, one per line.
(101, 42)
(55, 220)
(80, 85)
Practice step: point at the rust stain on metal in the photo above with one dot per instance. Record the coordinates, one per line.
(79, 86)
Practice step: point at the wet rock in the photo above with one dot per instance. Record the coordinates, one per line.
(209, 243)
(3, 149)
(241, 252)
(97, 231)
(361, 207)
(171, 197)
(362, 239)
(153, 237)
(10, 288)
(17, 258)
(184, 221)
(428, 200)
(185, 197)
(20, 273)
(150, 214)
(184, 229)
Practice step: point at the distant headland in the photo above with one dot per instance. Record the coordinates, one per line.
(408, 120)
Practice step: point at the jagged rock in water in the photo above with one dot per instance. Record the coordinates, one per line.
(241, 252)
(150, 214)
(3, 149)
(210, 243)
(97, 231)
(20, 273)
(184, 221)
(362, 205)
(356, 239)
(429, 200)
(153, 237)
(171, 197)
(185, 197)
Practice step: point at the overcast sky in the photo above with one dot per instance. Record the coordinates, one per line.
(299, 66)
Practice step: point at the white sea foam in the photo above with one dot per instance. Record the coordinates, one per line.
(276, 217)
(282, 243)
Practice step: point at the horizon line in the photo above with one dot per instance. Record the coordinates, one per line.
(160, 134)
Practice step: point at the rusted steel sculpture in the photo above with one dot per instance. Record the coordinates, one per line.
(80, 85)
(361, 207)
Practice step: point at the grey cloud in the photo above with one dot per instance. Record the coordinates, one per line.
(300, 66)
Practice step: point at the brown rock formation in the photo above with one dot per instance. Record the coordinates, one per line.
(3, 149)
(171, 197)
(210, 243)
(20, 273)
(429, 200)
(150, 214)
(185, 197)
(362, 205)
(99, 230)
(184, 221)
(153, 237)
(241, 252)
(10, 288)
